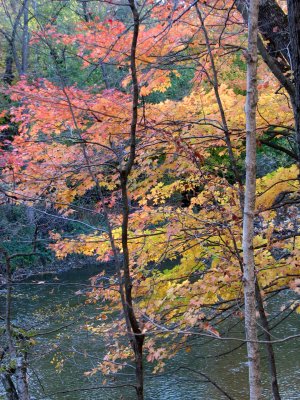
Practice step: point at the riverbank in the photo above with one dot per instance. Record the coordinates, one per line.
(55, 268)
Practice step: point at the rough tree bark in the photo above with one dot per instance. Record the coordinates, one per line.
(282, 54)
(249, 277)
(6, 380)
(273, 26)
(20, 389)
(9, 387)
(294, 30)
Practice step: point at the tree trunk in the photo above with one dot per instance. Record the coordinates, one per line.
(25, 39)
(21, 377)
(9, 387)
(135, 334)
(137, 340)
(294, 28)
(273, 26)
(214, 80)
(139, 366)
(86, 14)
(249, 277)
(269, 346)
(8, 76)
(282, 53)
(21, 389)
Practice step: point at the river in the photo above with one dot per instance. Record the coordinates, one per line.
(51, 302)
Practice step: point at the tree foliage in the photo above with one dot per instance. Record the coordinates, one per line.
(186, 179)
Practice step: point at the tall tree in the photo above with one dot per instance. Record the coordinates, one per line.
(25, 38)
(294, 28)
(249, 278)
(137, 338)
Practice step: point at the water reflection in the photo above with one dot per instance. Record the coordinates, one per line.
(57, 302)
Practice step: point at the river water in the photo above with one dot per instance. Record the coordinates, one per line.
(51, 302)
